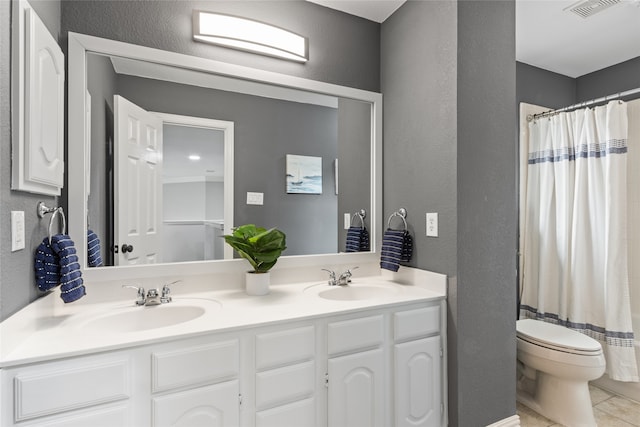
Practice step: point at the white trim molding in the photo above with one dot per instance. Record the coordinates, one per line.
(512, 421)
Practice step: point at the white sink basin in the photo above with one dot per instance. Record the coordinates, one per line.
(136, 319)
(356, 291)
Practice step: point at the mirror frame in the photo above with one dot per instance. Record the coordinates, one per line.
(80, 45)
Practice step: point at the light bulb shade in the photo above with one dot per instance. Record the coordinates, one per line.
(246, 34)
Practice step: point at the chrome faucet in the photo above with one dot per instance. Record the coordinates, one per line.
(166, 290)
(333, 281)
(343, 280)
(153, 296)
(142, 298)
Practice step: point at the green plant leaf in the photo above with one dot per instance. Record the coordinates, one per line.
(259, 246)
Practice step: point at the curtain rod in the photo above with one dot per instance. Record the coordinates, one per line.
(531, 117)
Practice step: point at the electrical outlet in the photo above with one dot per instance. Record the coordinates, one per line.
(255, 198)
(432, 225)
(17, 230)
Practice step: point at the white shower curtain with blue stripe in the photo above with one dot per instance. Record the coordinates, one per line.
(575, 233)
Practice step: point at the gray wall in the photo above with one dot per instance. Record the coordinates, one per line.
(610, 80)
(449, 127)
(343, 49)
(487, 213)
(545, 88)
(17, 279)
(553, 90)
(101, 83)
(354, 152)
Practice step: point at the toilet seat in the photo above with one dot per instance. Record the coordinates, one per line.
(556, 337)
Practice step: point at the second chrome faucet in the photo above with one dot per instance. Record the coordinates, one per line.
(342, 280)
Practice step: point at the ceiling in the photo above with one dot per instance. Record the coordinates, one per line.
(547, 35)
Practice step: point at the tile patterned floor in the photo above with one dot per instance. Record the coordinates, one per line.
(610, 411)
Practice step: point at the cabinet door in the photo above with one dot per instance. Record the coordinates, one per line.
(356, 390)
(212, 406)
(418, 396)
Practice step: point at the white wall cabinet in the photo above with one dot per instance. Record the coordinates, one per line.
(38, 105)
(377, 367)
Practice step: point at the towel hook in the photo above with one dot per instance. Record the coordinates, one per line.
(402, 213)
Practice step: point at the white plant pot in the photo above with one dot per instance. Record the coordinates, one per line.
(257, 283)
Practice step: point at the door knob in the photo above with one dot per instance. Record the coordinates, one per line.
(126, 248)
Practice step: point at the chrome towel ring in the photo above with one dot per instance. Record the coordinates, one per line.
(43, 210)
(402, 213)
(362, 214)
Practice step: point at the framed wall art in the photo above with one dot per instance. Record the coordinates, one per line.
(304, 174)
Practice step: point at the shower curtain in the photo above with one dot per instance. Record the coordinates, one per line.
(575, 238)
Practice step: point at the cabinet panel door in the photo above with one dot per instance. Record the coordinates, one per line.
(109, 417)
(37, 389)
(356, 390)
(212, 406)
(298, 414)
(418, 396)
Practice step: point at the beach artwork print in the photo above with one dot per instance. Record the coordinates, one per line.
(304, 174)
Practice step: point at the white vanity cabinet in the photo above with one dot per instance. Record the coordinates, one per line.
(377, 366)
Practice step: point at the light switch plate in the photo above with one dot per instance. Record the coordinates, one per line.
(17, 230)
(432, 225)
(255, 198)
(347, 221)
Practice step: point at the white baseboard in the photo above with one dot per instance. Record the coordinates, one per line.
(513, 421)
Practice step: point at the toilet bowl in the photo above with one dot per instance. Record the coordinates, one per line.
(555, 365)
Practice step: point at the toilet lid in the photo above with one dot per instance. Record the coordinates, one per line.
(556, 337)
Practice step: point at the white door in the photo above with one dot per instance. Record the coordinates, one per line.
(418, 398)
(211, 406)
(137, 181)
(356, 390)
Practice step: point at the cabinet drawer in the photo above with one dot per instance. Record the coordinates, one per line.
(195, 365)
(416, 323)
(355, 334)
(70, 385)
(283, 385)
(281, 348)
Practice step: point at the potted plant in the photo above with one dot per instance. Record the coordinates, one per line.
(261, 247)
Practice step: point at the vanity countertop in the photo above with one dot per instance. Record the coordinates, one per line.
(48, 329)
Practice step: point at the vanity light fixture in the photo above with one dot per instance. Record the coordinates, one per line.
(194, 157)
(249, 35)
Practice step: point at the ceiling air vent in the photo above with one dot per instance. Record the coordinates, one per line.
(587, 8)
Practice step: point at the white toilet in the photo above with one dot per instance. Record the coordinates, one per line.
(555, 365)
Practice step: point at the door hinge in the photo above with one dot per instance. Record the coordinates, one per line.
(441, 352)
(441, 408)
(326, 380)
(240, 398)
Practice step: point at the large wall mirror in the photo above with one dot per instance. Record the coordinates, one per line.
(214, 137)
